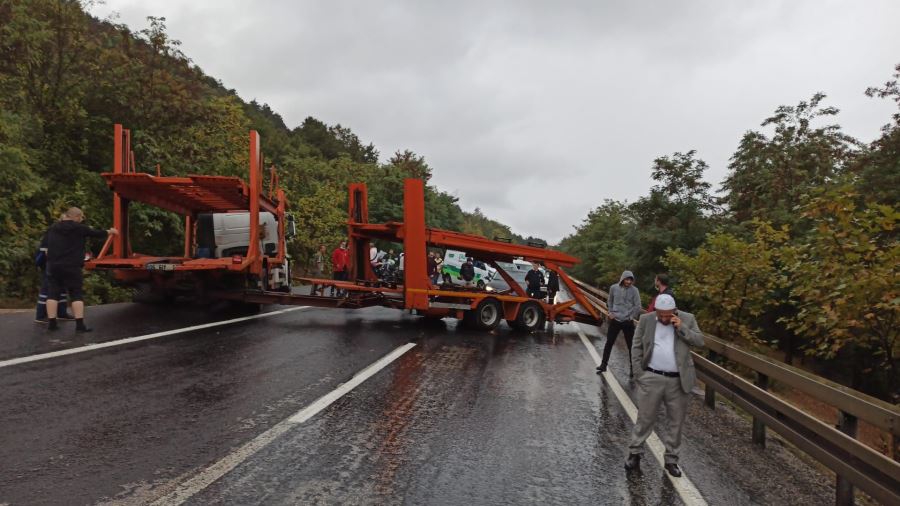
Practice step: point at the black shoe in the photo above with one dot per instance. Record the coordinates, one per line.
(82, 330)
(601, 368)
(52, 324)
(672, 468)
(66, 317)
(41, 320)
(633, 462)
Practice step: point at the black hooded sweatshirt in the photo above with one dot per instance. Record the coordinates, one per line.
(65, 242)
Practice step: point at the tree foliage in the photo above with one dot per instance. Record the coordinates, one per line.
(844, 281)
(67, 78)
(798, 252)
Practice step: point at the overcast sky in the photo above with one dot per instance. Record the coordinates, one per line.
(537, 111)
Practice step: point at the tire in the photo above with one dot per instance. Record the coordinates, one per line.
(531, 317)
(487, 315)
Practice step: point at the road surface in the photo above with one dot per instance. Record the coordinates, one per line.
(253, 411)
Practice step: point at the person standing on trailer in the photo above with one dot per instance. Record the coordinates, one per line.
(65, 260)
(662, 357)
(432, 268)
(533, 281)
(319, 266)
(340, 259)
(467, 273)
(552, 286)
(624, 304)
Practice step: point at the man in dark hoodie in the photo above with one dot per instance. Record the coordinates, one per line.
(65, 259)
(624, 304)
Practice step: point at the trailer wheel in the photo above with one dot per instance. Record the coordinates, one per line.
(487, 315)
(531, 317)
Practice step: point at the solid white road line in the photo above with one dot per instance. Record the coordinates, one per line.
(119, 342)
(208, 476)
(685, 488)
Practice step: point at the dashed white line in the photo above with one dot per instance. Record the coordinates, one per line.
(128, 340)
(685, 488)
(211, 474)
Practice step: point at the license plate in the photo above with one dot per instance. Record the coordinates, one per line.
(160, 267)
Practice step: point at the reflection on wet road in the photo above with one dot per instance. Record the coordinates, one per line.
(461, 417)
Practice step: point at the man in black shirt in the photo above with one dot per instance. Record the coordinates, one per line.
(65, 259)
(40, 261)
(552, 286)
(533, 281)
(467, 272)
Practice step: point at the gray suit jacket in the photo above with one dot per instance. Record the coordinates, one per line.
(689, 335)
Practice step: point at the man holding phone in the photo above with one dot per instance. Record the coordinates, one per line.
(661, 358)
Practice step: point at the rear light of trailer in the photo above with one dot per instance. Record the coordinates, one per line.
(237, 259)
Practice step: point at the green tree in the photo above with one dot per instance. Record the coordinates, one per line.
(768, 175)
(729, 282)
(878, 166)
(844, 284)
(600, 244)
(678, 213)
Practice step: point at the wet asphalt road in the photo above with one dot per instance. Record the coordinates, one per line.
(462, 418)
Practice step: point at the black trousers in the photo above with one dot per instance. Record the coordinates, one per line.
(612, 333)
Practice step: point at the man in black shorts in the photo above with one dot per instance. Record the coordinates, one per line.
(65, 259)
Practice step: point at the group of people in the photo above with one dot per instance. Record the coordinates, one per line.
(534, 280)
(60, 257)
(659, 350)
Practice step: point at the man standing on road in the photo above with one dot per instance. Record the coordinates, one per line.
(624, 304)
(340, 258)
(65, 260)
(662, 287)
(662, 356)
(533, 281)
(40, 313)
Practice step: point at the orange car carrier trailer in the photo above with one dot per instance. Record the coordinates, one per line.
(196, 198)
(251, 275)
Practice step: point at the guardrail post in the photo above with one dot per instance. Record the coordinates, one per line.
(759, 428)
(710, 393)
(847, 424)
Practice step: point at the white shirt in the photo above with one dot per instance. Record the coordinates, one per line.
(663, 357)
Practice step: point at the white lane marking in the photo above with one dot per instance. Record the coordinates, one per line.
(685, 488)
(211, 474)
(119, 342)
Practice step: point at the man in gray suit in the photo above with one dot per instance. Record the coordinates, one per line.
(661, 358)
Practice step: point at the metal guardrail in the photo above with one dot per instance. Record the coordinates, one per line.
(854, 463)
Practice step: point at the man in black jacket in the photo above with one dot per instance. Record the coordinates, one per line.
(467, 272)
(533, 281)
(552, 286)
(65, 259)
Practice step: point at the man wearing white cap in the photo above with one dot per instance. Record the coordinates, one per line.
(664, 372)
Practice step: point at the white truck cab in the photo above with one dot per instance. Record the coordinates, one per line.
(222, 235)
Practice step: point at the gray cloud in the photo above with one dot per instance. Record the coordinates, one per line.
(536, 112)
